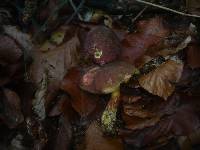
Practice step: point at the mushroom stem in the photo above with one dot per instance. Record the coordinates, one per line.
(109, 116)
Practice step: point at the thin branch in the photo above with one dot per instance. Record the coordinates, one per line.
(167, 9)
(75, 9)
(139, 14)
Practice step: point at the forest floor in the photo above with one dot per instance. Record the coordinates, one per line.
(100, 75)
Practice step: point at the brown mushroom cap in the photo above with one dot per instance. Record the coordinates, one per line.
(106, 79)
(102, 45)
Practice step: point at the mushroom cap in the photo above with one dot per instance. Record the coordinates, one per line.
(106, 79)
(102, 45)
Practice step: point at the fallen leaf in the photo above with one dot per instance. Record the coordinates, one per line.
(180, 118)
(10, 52)
(136, 123)
(138, 111)
(83, 102)
(12, 115)
(64, 137)
(149, 33)
(57, 109)
(23, 39)
(12, 72)
(161, 80)
(95, 140)
(193, 6)
(54, 64)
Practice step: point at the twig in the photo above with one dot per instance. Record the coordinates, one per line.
(139, 14)
(49, 17)
(167, 9)
(75, 9)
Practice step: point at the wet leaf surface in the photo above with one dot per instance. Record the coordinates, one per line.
(83, 102)
(160, 81)
(99, 75)
(12, 114)
(149, 33)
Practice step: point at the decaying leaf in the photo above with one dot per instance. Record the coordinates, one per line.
(64, 137)
(56, 61)
(10, 52)
(149, 33)
(95, 140)
(162, 80)
(12, 115)
(136, 123)
(23, 39)
(83, 102)
(193, 6)
(181, 121)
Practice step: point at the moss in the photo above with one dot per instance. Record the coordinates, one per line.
(108, 120)
(109, 117)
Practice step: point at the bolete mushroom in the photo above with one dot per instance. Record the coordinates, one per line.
(106, 80)
(102, 45)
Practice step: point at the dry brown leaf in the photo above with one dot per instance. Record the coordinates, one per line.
(56, 61)
(12, 115)
(82, 102)
(149, 34)
(193, 6)
(54, 64)
(23, 39)
(161, 81)
(10, 52)
(136, 123)
(95, 140)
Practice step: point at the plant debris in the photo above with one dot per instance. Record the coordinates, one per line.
(99, 75)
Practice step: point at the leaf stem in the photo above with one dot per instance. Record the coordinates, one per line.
(167, 9)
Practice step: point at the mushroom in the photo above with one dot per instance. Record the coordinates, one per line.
(106, 80)
(102, 45)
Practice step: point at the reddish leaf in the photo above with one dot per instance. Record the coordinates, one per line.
(9, 50)
(84, 103)
(53, 65)
(10, 73)
(150, 33)
(58, 107)
(135, 123)
(181, 119)
(12, 115)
